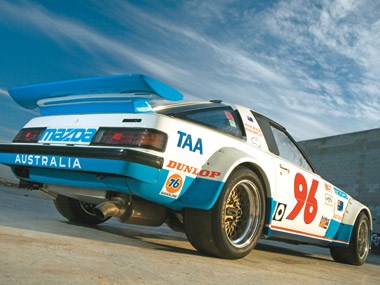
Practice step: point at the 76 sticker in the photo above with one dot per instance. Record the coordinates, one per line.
(173, 185)
(306, 200)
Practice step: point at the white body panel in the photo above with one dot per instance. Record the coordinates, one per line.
(195, 151)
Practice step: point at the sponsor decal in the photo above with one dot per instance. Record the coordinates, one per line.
(173, 186)
(329, 200)
(187, 141)
(48, 161)
(324, 223)
(280, 212)
(250, 119)
(71, 135)
(328, 187)
(256, 141)
(340, 206)
(192, 170)
(337, 217)
(230, 119)
(252, 129)
(340, 193)
(229, 115)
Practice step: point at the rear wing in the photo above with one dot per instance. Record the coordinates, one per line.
(129, 93)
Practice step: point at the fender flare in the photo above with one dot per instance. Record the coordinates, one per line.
(353, 209)
(203, 193)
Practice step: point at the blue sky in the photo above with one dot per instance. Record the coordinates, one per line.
(313, 66)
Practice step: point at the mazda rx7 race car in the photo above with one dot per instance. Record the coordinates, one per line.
(225, 175)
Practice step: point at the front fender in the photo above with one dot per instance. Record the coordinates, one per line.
(354, 208)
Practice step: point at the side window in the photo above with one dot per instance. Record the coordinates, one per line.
(288, 150)
(223, 119)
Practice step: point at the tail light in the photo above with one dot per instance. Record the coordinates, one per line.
(29, 135)
(131, 137)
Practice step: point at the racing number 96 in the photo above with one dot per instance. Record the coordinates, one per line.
(305, 197)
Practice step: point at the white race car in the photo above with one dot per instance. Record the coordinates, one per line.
(222, 173)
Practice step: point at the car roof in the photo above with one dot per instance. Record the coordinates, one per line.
(194, 106)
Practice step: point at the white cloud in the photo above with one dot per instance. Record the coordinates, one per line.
(61, 30)
(95, 42)
(339, 38)
(322, 68)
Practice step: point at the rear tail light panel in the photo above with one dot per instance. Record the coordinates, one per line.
(29, 135)
(131, 137)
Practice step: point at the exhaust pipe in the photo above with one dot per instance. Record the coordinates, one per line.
(108, 209)
(136, 211)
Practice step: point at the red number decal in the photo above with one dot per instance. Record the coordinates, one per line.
(300, 193)
(311, 207)
(302, 197)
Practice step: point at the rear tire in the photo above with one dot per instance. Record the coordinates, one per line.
(77, 211)
(233, 226)
(357, 251)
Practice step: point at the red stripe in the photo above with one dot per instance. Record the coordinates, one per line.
(306, 234)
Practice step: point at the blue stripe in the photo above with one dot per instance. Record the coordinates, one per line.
(115, 167)
(202, 194)
(148, 191)
(271, 207)
(79, 179)
(151, 192)
(336, 234)
(344, 233)
(332, 229)
(137, 179)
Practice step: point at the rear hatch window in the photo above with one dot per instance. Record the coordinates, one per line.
(223, 118)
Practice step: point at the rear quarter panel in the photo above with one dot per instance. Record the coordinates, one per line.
(205, 158)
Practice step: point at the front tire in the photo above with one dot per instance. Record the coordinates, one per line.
(77, 211)
(233, 226)
(357, 251)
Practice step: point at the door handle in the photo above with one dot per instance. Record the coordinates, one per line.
(284, 169)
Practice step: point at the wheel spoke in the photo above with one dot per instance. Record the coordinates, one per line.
(363, 239)
(242, 214)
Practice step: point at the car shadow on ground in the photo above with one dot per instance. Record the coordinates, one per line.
(164, 239)
(171, 241)
(41, 216)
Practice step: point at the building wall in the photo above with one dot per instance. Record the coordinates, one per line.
(352, 163)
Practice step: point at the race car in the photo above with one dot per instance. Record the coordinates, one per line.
(120, 146)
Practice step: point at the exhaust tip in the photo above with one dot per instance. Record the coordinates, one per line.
(108, 209)
(99, 214)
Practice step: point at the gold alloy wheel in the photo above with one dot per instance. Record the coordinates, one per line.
(242, 213)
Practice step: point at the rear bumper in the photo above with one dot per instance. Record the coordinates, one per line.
(34, 155)
(111, 169)
(33, 162)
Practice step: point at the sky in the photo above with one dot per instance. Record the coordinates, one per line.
(312, 66)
